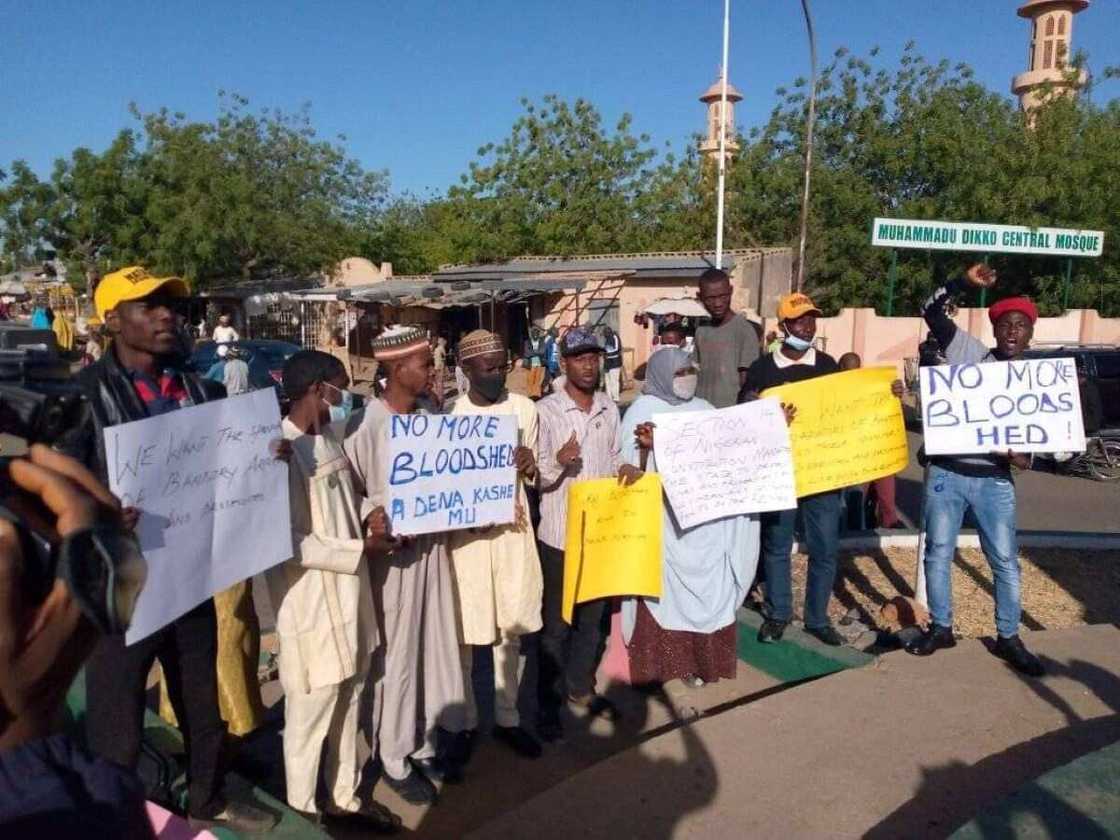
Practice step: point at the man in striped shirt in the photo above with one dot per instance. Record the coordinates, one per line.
(578, 441)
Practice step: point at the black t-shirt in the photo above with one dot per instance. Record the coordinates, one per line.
(765, 374)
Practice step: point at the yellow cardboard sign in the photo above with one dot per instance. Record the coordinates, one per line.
(848, 430)
(613, 544)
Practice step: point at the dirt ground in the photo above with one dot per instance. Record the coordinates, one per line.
(1060, 587)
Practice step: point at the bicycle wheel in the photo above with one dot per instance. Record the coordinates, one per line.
(1104, 463)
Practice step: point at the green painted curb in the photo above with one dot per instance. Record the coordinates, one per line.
(798, 656)
(1079, 799)
(169, 740)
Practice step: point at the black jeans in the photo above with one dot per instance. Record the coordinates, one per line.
(116, 679)
(569, 654)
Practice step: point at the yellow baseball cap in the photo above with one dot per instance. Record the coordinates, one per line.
(133, 283)
(795, 305)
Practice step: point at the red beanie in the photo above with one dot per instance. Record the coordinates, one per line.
(1016, 304)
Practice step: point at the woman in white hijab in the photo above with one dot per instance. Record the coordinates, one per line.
(689, 632)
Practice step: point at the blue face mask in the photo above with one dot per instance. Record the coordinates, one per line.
(345, 406)
(799, 344)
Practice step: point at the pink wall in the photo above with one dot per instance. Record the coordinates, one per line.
(880, 340)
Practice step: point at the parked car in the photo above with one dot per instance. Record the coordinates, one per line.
(265, 359)
(1098, 368)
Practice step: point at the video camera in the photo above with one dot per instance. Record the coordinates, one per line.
(103, 567)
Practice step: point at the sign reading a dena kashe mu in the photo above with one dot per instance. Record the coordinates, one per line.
(991, 239)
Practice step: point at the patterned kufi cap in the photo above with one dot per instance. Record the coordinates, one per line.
(478, 343)
(399, 341)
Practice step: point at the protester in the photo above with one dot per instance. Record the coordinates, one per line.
(578, 441)
(797, 361)
(421, 688)
(612, 363)
(726, 347)
(881, 492)
(140, 376)
(224, 332)
(689, 632)
(235, 373)
(325, 618)
(982, 484)
(497, 569)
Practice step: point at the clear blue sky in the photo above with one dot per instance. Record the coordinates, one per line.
(418, 86)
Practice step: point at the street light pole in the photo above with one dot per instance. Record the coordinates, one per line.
(808, 142)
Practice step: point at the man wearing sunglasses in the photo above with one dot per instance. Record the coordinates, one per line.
(142, 375)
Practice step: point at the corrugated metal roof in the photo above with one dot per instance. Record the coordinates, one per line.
(651, 264)
(422, 292)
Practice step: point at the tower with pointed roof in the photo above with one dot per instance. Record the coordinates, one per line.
(709, 147)
(1051, 37)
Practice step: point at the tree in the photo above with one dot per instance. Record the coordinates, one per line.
(927, 141)
(558, 184)
(252, 196)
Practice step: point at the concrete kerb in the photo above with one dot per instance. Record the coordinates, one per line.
(969, 539)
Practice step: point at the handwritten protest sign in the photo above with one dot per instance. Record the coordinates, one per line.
(849, 429)
(213, 500)
(451, 471)
(725, 462)
(1028, 405)
(613, 544)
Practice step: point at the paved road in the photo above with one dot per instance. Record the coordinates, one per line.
(1046, 502)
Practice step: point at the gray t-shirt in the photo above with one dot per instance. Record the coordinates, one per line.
(722, 351)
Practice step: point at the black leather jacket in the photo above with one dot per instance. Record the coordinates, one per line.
(111, 399)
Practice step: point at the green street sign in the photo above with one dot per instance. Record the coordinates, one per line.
(989, 239)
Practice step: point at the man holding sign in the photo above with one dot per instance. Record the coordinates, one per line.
(578, 441)
(421, 685)
(496, 567)
(980, 483)
(142, 376)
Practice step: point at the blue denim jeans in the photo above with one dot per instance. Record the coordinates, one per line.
(992, 501)
(820, 519)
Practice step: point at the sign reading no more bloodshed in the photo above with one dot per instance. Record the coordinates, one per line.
(1027, 405)
(986, 238)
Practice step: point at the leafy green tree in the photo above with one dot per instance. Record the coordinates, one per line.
(560, 183)
(252, 195)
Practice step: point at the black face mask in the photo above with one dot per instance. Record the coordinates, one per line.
(490, 387)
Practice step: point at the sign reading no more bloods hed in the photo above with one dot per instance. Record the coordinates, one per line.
(985, 238)
(1029, 405)
(449, 472)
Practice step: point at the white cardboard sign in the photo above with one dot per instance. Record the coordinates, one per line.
(725, 462)
(451, 471)
(213, 500)
(1027, 405)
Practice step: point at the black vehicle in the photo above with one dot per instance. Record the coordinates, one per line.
(265, 359)
(1098, 368)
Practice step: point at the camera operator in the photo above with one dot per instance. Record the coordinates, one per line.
(48, 783)
(141, 375)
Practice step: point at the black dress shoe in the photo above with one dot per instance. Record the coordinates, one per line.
(549, 728)
(439, 769)
(415, 789)
(518, 740)
(237, 816)
(1013, 651)
(826, 634)
(460, 747)
(772, 630)
(373, 817)
(933, 640)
